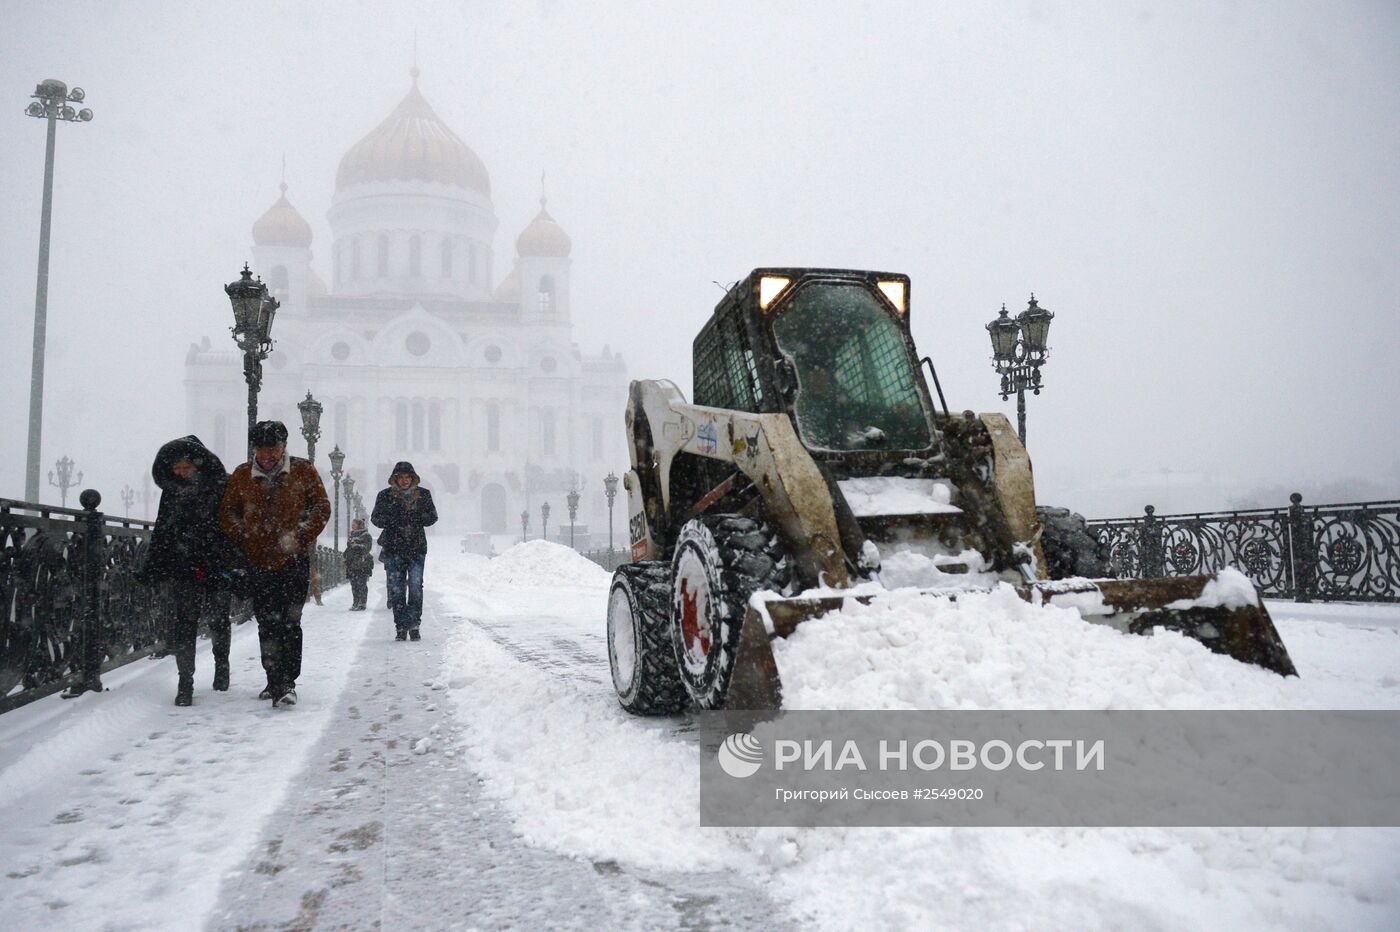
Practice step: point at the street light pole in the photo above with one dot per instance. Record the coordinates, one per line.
(51, 103)
(610, 489)
(350, 499)
(310, 410)
(337, 461)
(128, 498)
(253, 313)
(65, 478)
(572, 499)
(544, 521)
(1018, 352)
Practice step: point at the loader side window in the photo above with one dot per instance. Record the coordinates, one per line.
(857, 389)
(724, 367)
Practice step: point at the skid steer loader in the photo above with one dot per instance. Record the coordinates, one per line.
(813, 467)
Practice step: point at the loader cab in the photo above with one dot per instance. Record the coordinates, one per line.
(830, 348)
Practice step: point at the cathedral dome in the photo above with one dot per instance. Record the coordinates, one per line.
(413, 144)
(543, 237)
(281, 225)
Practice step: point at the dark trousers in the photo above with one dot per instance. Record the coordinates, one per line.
(403, 577)
(359, 588)
(277, 602)
(191, 602)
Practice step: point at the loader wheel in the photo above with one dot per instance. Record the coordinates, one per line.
(1070, 550)
(720, 561)
(639, 640)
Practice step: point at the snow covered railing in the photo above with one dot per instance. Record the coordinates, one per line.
(1333, 553)
(58, 578)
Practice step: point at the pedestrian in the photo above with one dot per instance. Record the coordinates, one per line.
(190, 554)
(273, 510)
(403, 510)
(359, 563)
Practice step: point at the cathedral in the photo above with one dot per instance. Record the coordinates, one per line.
(418, 351)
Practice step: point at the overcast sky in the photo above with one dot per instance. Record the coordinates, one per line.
(1206, 195)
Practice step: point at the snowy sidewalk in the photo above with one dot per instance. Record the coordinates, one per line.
(388, 828)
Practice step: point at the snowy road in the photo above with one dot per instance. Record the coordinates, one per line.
(487, 777)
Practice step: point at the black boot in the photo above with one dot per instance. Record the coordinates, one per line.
(80, 687)
(220, 675)
(184, 663)
(219, 633)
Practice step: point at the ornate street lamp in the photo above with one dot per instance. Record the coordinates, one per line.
(65, 478)
(1018, 351)
(128, 498)
(544, 521)
(337, 461)
(525, 525)
(253, 312)
(310, 410)
(52, 102)
(610, 490)
(350, 498)
(572, 499)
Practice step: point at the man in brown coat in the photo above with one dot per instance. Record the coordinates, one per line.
(273, 510)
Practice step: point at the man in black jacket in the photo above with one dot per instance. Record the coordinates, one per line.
(403, 510)
(189, 552)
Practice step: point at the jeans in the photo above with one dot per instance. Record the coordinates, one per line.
(404, 576)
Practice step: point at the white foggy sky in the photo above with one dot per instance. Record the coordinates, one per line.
(1206, 195)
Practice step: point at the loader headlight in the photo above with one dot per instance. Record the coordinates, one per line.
(769, 287)
(894, 293)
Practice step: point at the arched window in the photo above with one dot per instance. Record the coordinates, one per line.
(401, 425)
(418, 425)
(435, 426)
(446, 257)
(493, 427)
(546, 294)
(355, 257)
(383, 255)
(277, 280)
(471, 262)
(547, 432)
(415, 255)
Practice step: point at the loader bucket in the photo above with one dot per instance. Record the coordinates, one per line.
(1244, 632)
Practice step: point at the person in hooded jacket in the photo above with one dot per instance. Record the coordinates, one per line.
(359, 563)
(403, 510)
(189, 551)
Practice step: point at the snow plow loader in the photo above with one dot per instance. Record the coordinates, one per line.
(812, 467)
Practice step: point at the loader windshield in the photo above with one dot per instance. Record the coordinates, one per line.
(857, 389)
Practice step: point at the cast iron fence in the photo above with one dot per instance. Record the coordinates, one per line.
(1332, 553)
(48, 595)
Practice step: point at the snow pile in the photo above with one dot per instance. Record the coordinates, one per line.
(1229, 589)
(539, 563)
(994, 651)
(893, 495)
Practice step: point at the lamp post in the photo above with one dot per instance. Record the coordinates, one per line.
(544, 520)
(525, 525)
(572, 499)
(310, 410)
(337, 461)
(253, 312)
(350, 498)
(1018, 352)
(128, 498)
(610, 489)
(65, 478)
(52, 102)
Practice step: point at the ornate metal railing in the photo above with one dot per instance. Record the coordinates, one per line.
(606, 558)
(56, 578)
(1343, 552)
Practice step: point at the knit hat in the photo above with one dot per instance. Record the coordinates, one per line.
(269, 433)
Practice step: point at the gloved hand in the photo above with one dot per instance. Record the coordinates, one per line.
(287, 542)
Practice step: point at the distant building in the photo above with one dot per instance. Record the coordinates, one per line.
(417, 350)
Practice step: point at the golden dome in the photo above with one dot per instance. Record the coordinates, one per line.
(543, 237)
(508, 291)
(413, 144)
(281, 225)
